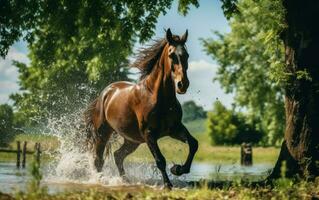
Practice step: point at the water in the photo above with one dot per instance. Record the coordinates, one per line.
(70, 166)
(13, 179)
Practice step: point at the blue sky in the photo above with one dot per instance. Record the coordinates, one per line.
(200, 22)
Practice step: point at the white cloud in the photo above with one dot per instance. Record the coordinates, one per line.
(9, 85)
(9, 73)
(202, 89)
(202, 65)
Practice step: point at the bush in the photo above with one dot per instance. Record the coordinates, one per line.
(6, 124)
(227, 127)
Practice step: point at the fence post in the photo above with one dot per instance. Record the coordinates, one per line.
(18, 154)
(246, 152)
(24, 153)
(37, 149)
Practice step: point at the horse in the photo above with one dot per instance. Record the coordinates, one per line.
(146, 111)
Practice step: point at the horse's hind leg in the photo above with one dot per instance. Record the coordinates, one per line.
(126, 149)
(103, 135)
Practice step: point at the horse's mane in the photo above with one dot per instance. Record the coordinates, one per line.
(147, 57)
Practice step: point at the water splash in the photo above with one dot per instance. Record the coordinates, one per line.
(72, 163)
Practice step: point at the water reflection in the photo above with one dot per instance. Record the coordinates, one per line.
(13, 179)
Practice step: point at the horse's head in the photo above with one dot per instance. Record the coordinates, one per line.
(178, 59)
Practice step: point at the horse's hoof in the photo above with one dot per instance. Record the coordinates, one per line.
(177, 170)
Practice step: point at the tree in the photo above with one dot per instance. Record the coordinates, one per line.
(119, 20)
(300, 149)
(6, 124)
(249, 57)
(293, 25)
(191, 111)
(228, 127)
(220, 127)
(76, 47)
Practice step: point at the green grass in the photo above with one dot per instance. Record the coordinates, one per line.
(177, 151)
(283, 189)
(172, 149)
(48, 143)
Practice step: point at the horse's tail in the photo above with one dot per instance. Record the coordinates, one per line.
(89, 124)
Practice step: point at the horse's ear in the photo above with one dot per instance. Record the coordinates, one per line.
(169, 36)
(184, 37)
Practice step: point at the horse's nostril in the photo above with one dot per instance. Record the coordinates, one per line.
(179, 84)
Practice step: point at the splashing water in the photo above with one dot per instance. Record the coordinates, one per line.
(72, 162)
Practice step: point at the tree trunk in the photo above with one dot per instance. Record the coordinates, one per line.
(300, 149)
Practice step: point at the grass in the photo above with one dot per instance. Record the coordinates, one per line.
(48, 143)
(282, 189)
(177, 151)
(172, 149)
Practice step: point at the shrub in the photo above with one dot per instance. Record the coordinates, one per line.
(6, 124)
(228, 127)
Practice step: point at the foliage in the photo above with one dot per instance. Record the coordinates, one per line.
(251, 61)
(183, 5)
(287, 190)
(191, 111)
(220, 127)
(230, 8)
(6, 124)
(16, 17)
(76, 49)
(228, 127)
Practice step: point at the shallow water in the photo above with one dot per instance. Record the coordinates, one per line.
(13, 179)
(70, 167)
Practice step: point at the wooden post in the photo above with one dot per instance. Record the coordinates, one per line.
(24, 153)
(37, 149)
(246, 153)
(18, 154)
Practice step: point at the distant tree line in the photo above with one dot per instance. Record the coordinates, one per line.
(192, 112)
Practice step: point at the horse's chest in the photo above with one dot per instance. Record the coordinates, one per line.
(165, 119)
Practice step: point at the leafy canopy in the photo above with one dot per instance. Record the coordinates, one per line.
(251, 61)
(76, 47)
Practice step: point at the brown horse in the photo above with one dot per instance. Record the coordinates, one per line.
(146, 111)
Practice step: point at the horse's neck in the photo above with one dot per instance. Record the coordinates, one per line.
(161, 83)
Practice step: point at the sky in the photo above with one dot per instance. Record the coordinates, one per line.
(200, 22)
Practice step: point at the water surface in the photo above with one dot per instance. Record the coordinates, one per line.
(13, 179)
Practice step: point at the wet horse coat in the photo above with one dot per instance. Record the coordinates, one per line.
(146, 111)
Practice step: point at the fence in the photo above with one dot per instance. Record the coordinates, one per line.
(24, 151)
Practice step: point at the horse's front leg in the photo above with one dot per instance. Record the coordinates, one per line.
(182, 134)
(151, 140)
